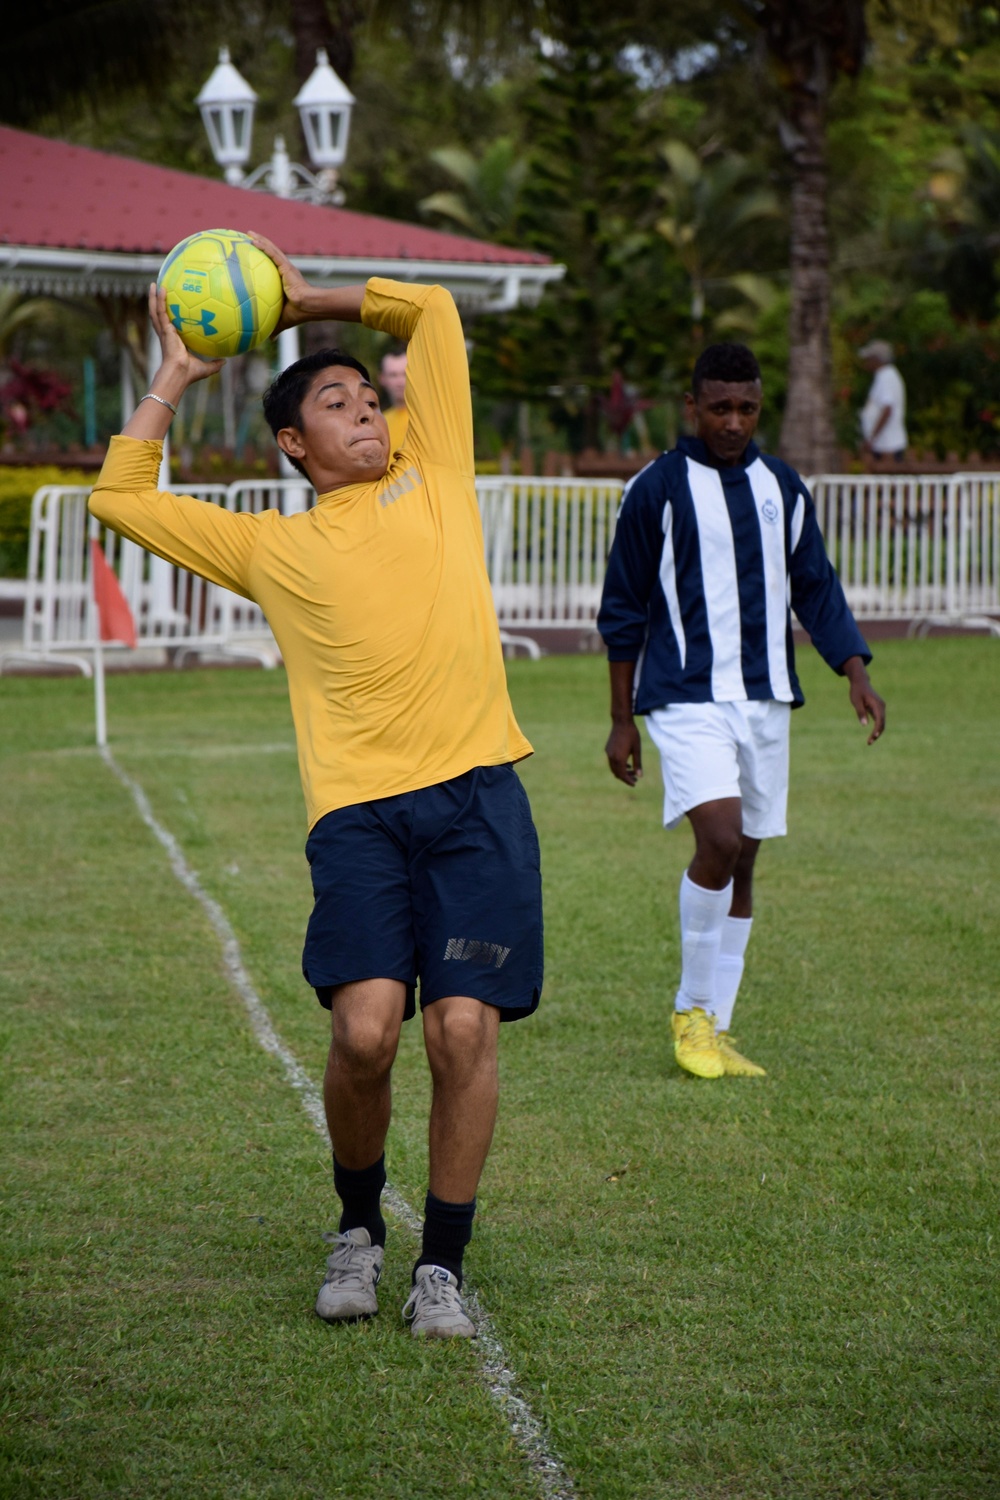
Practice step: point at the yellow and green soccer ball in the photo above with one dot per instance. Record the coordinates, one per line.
(223, 294)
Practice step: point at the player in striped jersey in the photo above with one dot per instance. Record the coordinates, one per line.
(716, 544)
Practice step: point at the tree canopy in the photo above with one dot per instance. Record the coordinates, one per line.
(803, 175)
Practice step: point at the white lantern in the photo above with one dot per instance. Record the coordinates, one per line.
(227, 104)
(324, 103)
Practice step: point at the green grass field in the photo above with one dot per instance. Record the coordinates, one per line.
(737, 1290)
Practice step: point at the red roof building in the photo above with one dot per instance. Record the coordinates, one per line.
(75, 220)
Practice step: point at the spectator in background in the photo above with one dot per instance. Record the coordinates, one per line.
(883, 416)
(392, 379)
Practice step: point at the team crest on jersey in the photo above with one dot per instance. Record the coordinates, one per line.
(770, 511)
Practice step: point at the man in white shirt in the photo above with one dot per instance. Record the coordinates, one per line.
(883, 416)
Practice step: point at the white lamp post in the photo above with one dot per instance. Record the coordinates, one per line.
(227, 104)
(324, 103)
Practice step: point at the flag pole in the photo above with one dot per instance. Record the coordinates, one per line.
(115, 622)
(100, 701)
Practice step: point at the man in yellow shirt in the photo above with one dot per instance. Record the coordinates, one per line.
(392, 379)
(423, 853)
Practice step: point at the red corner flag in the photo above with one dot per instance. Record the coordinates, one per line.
(115, 616)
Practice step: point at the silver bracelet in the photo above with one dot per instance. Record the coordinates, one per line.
(150, 397)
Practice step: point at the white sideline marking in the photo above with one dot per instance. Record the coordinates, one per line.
(499, 1378)
(201, 752)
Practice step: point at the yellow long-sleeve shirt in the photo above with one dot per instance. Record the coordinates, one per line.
(378, 596)
(397, 419)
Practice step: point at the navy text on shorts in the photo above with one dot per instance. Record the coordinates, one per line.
(441, 885)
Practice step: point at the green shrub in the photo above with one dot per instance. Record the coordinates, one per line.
(17, 486)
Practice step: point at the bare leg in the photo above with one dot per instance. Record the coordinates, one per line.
(461, 1036)
(718, 838)
(366, 1021)
(743, 879)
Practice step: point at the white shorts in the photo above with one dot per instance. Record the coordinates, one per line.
(714, 750)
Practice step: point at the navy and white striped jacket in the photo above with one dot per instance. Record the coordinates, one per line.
(706, 566)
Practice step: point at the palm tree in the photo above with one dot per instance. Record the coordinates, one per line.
(711, 200)
(811, 43)
(18, 311)
(487, 188)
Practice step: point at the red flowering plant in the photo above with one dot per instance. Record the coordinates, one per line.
(622, 406)
(29, 393)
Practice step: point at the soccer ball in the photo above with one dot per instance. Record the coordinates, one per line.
(224, 295)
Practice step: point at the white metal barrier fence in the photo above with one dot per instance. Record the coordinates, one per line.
(547, 543)
(923, 547)
(919, 547)
(171, 607)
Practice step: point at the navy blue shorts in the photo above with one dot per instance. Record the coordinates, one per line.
(441, 885)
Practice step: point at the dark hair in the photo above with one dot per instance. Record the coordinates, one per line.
(282, 400)
(733, 363)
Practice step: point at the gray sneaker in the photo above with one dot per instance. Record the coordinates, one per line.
(434, 1308)
(352, 1274)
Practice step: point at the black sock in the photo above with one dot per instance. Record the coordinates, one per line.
(360, 1193)
(447, 1231)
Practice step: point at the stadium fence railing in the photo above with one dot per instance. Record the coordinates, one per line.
(924, 548)
(174, 610)
(920, 547)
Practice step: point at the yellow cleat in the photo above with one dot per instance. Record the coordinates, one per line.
(734, 1063)
(695, 1044)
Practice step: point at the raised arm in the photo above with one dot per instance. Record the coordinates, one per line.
(179, 368)
(310, 304)
(425, 318)
(206, 539)
(438, 397)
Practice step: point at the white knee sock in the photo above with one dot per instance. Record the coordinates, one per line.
(703, 913)
(729, 969)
